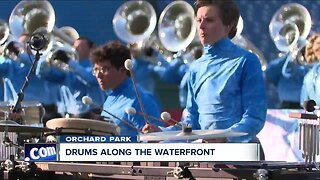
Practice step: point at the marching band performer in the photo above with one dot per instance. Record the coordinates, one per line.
(226, 88)
(14, 74)
(108, 67)
(310, 87)
(77, 82)
(288, 85)
(289, 34)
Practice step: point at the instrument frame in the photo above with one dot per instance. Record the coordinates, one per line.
(152, 170)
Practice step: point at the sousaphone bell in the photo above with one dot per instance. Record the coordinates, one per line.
(134, 21)
(290, 25)
(177, 26)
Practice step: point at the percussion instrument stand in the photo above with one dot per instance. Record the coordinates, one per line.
(6, 139)
(17, 107)
(181, 172)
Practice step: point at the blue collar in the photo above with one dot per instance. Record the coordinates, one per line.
(124, 85)
(224, 44)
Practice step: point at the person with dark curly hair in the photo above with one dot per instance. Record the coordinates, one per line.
(114, 79)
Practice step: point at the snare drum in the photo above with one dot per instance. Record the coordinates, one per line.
(79, 126)
(32, 112)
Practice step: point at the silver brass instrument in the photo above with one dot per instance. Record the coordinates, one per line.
(134, 21)
(33, 16)
(177, 26)
(38, 16)
(27, 16)
(290, 26)
(5, 39)
(139, 48)
(248, 45)
(63, 43)
(239, 26)
(70, 32)
(4, 31)
(193, 51)
(70, 51)
(30, 16)
(65, 34)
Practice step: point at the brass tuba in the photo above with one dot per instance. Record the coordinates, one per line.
(248, 45)
(29, 17)
(6, 39)
(68, 50)
(134, 21)
(70, 32)
(63, 41)
(4, 32)
(177, 26)
(290, 26)
(289, 29)
(38, 16)
(192, 52)
(32, 16)
(140, 48)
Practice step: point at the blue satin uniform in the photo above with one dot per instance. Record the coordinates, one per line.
(124, 97)
(74, 84)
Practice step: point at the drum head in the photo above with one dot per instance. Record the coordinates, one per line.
(81, 126)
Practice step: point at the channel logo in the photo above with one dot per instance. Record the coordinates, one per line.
(40, 152)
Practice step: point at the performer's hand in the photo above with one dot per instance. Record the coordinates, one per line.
(12, 48)
(149, 128)
(61, 56)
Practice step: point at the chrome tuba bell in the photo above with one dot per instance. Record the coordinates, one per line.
(134, 21)
(248, 45)
(140, 49)
(52, 59)
(289, 29)
(177, 26)
(4, 31)
(6, 40)
(29, 17)
(63, 39)
(70, 32)
(290, 26)
(192, 52)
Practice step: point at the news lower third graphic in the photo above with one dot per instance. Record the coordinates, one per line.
(128, 148)
(40, 152)
(98, 139)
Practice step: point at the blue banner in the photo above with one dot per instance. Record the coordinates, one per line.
(40, 152)
(98, 139)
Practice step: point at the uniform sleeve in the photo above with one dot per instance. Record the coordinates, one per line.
(274, 70)
(5, 65)
(49, 73)
(83, 73)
